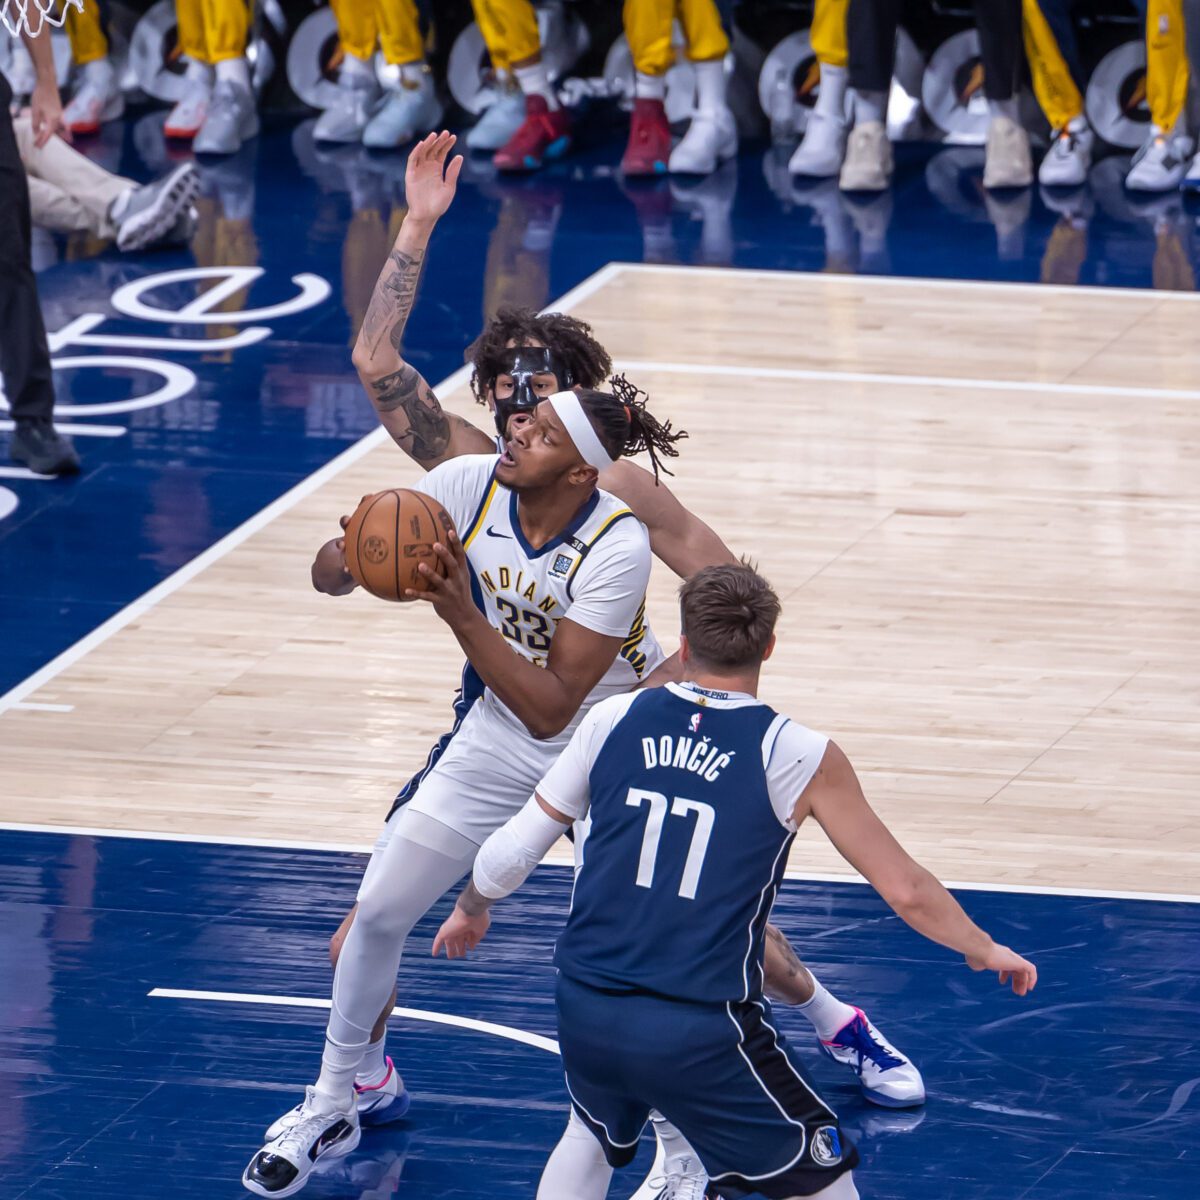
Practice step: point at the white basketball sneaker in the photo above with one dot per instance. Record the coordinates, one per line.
(409, 111)
(711, 139)
(499, 122)
(186, 118)
(346, 118)
(820, 154)
(1070, 156)
(320, 1131)
(888, 1077)
(379, 1104)
(1162, 162)
(682, 1178)
(97, 99)
(868, 163)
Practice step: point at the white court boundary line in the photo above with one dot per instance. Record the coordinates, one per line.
(413, 1014)
(824, 278)
(936, 381)
(259, 520)
(1017, 889)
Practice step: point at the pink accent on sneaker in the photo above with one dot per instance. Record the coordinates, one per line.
(374, 1087)
(833, 1041)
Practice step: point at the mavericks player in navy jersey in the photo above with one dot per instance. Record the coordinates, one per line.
(694, 792)
(521, 358)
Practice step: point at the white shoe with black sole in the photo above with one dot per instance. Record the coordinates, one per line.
(320, 1131)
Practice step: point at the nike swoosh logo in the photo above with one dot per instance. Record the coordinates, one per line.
(492, 533)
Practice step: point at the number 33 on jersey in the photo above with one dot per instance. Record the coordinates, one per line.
(595, 571)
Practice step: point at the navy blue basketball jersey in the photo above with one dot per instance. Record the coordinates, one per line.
(690, 829)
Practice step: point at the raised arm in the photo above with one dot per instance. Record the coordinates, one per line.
(406, 404)
(835, 798)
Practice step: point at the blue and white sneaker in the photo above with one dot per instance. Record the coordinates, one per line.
(383, 1102)
(888, 1077)
(379, 1104)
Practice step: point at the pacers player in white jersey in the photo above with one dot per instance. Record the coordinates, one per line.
(545, 593)
(695, 792)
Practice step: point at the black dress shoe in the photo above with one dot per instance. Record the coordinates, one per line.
(43, 449)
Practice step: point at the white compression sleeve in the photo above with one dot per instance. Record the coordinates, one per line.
(506, 858)
(577, 1168)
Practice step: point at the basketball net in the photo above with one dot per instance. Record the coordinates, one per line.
(28, 16)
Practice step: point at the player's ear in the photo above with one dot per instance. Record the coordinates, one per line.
(583, 475)
(685, 652)
(770, 649)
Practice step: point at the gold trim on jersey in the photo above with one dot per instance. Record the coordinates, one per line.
(477, 524)
(608, 521)
(629, 648)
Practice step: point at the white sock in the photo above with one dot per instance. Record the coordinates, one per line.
(577, 1168)
(710, 86)
(354, 67)
(649, 87)
(338, 1065)
(100, 72)
(831, 95)
(198, 72)
(414, 75)
(825, 1011)
(679, 1157)
(234, 70)
(535, 81)
(373, 1069)
(869, 106)
(1004, 108)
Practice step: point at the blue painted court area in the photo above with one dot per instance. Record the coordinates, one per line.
(1091, 1088)
(188, 428)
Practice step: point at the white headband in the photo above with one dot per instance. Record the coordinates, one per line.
(575, 421)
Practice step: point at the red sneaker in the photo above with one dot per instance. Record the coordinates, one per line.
(543, 134)
(649, 140)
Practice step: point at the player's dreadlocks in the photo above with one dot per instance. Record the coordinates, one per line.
(624, 425)
(569, 338)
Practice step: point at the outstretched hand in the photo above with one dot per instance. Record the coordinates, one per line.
(429, 183)
(1009, 965)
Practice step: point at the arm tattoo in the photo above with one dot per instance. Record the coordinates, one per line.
(428, 434)
(392, 300)
(472, 901)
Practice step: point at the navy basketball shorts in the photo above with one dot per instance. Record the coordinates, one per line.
(719, 1072)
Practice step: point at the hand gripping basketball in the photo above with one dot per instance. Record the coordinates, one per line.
(389, 535)
(448, 584)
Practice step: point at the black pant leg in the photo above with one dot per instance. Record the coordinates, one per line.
(24, 354)
(999, 23)
(871, 43)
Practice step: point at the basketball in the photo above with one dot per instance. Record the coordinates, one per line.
(389, 536)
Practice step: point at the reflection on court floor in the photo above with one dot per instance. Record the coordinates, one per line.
(116, 1085)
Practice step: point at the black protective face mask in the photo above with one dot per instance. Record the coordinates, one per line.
(523, 363)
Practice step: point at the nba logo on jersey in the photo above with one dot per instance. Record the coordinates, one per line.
(694, 723)
(562, 565)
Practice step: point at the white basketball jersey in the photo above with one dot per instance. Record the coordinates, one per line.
(594, 572)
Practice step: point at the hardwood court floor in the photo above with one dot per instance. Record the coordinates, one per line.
(981, 504)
